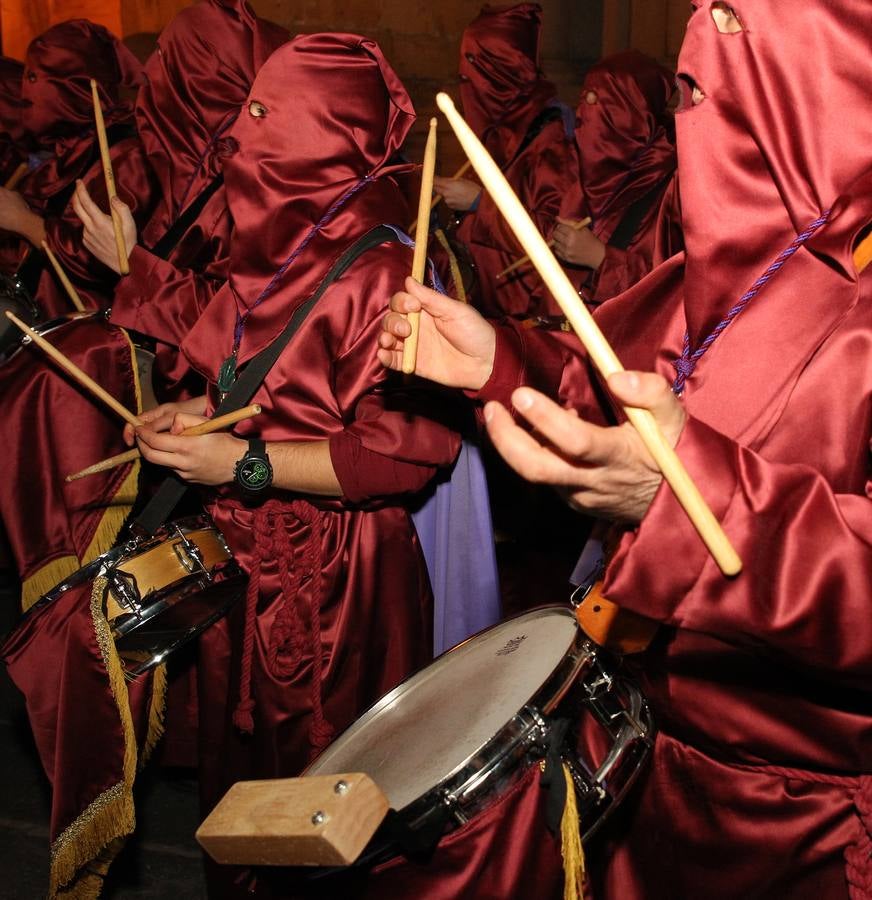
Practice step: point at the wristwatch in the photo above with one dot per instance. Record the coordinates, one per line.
(254, 473)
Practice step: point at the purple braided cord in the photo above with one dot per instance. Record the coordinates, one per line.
(274, 281)
(686, 363)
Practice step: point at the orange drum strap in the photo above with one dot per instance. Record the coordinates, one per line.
(611, 627)
(605, 622)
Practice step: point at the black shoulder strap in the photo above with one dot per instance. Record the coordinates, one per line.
(31, 268)
(173, 488)
(626, 229)
(176, 232)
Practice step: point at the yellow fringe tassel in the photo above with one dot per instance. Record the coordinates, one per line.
(156, 709)
(456, 277)
(83, 852)
(570, 843)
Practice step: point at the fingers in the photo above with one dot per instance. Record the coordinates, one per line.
(647, 390)
(183, 420)
(529, 458)
(568, 435)
(86, 202)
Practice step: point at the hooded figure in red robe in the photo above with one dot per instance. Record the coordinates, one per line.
(58, 115)
(339, 606)
(761, 780)
(626, 152)
(513, 109)
(195, 83)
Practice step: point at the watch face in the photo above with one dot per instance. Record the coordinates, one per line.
(254, 474)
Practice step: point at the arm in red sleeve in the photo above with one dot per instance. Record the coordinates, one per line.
(553, 362)
(806, 550)
(619, 270)
(396, 435)
(163, 298)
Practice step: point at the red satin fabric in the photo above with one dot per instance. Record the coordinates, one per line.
(626, 155)
(344, 605)
(505, 852)
(52, 428)
(75, 720)
(58, 111)
(502, 88)
(503, 91)
(193, 89)
(195, 84)
(774, 787)
(12, 148)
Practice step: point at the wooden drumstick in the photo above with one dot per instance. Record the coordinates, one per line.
(123, 264)
(439, 198)
(588, 331)
(207, 427)
(70, 367)
(419, 261)
(65, 281)
(14, 179)
(575, 226)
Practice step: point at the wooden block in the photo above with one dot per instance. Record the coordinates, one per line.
(321, 820)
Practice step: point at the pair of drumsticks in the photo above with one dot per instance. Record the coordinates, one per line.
(601, 353)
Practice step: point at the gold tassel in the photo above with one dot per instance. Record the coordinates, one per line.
(456, 277)
(156, 710)
(83, 852)
(570, 843)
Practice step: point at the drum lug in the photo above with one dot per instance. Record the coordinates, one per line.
(449, 801)
(123, 587)
(188, 554)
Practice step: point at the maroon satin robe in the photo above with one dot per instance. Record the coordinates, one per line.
(626, 155)
(504, 94)
(761, 784)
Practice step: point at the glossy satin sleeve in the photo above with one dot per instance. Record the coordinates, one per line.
(552, 362)
(136, 187)
(620, 269)
(394, 441)
(163, 298)
(806, 550)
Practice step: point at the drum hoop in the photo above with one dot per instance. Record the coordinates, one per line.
(466, 774)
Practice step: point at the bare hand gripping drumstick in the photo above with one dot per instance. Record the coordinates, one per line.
(576, 226)
(602, 355)
(207, 427)
(439, 198)
(419, 261)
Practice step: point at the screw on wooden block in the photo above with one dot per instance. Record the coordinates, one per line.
(319, 818)
(341, 787)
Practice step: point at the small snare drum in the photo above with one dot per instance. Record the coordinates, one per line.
(14, 297)
(459, 732)
(161, 591)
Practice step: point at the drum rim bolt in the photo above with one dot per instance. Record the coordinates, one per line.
(319, 817)
(341, 787)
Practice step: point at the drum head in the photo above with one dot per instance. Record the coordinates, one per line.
(432, 724)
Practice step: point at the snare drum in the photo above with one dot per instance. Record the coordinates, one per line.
(161, 591)
(459, 732)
